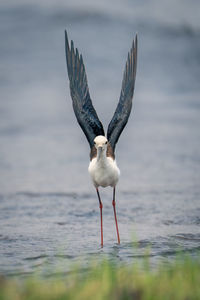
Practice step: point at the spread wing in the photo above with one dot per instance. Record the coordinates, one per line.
(122, 112)
(82, 104)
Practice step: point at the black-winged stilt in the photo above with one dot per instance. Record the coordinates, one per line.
(102, 167)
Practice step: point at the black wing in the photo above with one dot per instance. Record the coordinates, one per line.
(124, 106)
(82, 104)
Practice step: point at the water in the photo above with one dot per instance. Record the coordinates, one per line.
(49, 215)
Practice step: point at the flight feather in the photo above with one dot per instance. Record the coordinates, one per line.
(82, 104)
(122, 112)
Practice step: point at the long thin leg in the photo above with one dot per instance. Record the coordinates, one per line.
(101, 216)
(113, 203)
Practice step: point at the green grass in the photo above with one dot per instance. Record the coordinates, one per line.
(179, 279)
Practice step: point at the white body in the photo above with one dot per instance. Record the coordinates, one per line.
(103, 170)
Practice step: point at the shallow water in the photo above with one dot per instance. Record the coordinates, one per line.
(49, 215)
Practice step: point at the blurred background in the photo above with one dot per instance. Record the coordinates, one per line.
(45, 189)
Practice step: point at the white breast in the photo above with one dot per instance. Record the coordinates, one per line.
(104, 172)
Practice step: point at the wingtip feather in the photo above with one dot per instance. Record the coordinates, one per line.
(72, 46)
(136, 42)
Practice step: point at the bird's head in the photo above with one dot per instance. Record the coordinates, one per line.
(100, 142)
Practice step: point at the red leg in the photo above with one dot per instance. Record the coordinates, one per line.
(101, 216)
(113, 203)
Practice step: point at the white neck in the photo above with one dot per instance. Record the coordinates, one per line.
(101, 155)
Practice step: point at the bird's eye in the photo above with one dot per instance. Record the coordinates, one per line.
(106, 142)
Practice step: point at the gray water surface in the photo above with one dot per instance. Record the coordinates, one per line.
(49, 214)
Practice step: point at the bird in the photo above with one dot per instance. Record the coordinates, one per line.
(102, 168)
